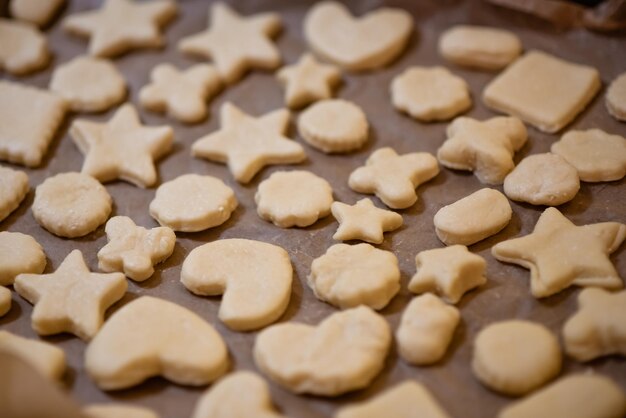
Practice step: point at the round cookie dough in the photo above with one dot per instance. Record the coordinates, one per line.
(334, 126)
(19, 253)
(13, 189)
(616, 97)
(515, 357)
(71, 205)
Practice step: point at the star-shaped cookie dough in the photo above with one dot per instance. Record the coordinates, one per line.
(364, 221)
(122, 25)
(560, 254)
(247, 144)
(121, 148)
(235, 43)
(72, 299)
(307, 81)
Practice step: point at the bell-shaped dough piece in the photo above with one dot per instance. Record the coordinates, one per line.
(19, 253)
(5, 301)
(254, 277)
(46, 358)
(23, 49)
(343, 353)
(154, 337)
(117, 410)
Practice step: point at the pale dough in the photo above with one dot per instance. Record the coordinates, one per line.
(14, 187)
(24, 49)
(38, 12)
(515, 357)
(293, 198)
(5, 301)
(254, 278)
(363, 221)
(341, 354)
(308, 81)
(616, 97)
(192, 203)
(44, 357)
(351, 275)
(473, 218)
(149, 337)
(117, 410)
(19, 253)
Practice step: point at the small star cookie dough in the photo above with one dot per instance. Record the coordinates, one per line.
(71, 205)
(556, 257)
(247, 144)
(117, 410)
(560, 90)
(308, 81)
(72, 299)
(598, 328)
(46, 358)
(5, 301)
(26, 140)
(293, 198)
(347, 276)
(37, 12)
(120, 26)
(19, 253)
(254, 278)
(368, 42)
(479, 47)
(13, 189)
(363, 221)
(89, 84)
(236, 43)
(134, 250)
(484, 147)
(393, 178)
(334, 126)
(616, 97)
(430, 94)
(426, 330)
(597, 155)
(298, 356)
(144, 338)
(192, 203)
(515, 357)
(24, 49)
(449, 272)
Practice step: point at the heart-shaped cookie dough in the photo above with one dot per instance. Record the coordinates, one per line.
(150, 337)
(357, 44)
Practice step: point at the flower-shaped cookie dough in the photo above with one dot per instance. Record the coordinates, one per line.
(364, 221)
(308, 81)
(13, 189)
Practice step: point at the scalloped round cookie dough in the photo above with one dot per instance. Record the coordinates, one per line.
(542, 179)
(616, 97)
(334, 126)
(71, 205)
(430, 93)
(5, 300)
(192, 203)
(19, 253)
(515, 357)
(89, 84)
(597, 155)
(293, 198)
(351, 275)
(47, 359)
(13, 189)
(23, 49)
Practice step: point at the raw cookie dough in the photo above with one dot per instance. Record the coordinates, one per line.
(71, 205)
(117, 410)
(5, 301)
(236, 43)
(351, 275)
(542, 90)
(19, 253)
(426, 329)
(616, 97)
(72, 299)
(484, 147)
(430, 93)
(341, 354)
(334, 126)
(38, 12)
(13, 189)
(134, 250)
(44, 357)
(192, 203)
(363, 221)
(473, 218)
(560, 254)
(254, 278)
(149, 337)
(393, 178)
(23, 49)
(293, 198)
(543, 179)
(89, 84)
(449, 272)
(308, 81)
(598, 328)
(515, 357)
(597, 155)
(479, 47)
(120, 26)
(356, 44)
(247, 144)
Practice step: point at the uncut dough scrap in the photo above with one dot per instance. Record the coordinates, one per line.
(13, 189)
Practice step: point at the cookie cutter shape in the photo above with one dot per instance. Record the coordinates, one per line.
(308, 81)
(24, 48)
(38, 12)
(117, 410)
(254, 277)
(560, 254)
(149, 337)
(616, 97)
(13, 189)
(363, 221)
(47, 359)
(393, 178)
(357, 44)
(484, 147)
(19, 253)
(5, 301)
(297, 356)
